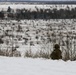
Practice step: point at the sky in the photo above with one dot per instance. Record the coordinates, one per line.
(37, 0)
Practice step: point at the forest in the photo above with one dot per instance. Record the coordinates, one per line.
(39, 13)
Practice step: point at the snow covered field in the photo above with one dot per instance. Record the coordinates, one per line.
(37, 35)
(32, 7)
(29, 66)
(31, 35)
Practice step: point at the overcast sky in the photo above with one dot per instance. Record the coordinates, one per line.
(37, 0)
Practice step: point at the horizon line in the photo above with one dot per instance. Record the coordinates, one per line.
(46, 2)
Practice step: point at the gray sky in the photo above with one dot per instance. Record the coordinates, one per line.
(37, 0)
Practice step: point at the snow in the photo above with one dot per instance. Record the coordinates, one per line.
(33, 28)
(37, 66)
(29, 66)
(32, 7)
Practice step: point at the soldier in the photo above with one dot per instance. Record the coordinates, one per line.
(56, 54)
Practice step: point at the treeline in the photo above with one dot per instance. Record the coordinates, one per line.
(39, 13)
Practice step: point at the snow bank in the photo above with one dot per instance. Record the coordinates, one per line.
(29, 66)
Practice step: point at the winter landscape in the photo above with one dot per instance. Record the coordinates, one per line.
(28, 33)
(29, 66)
